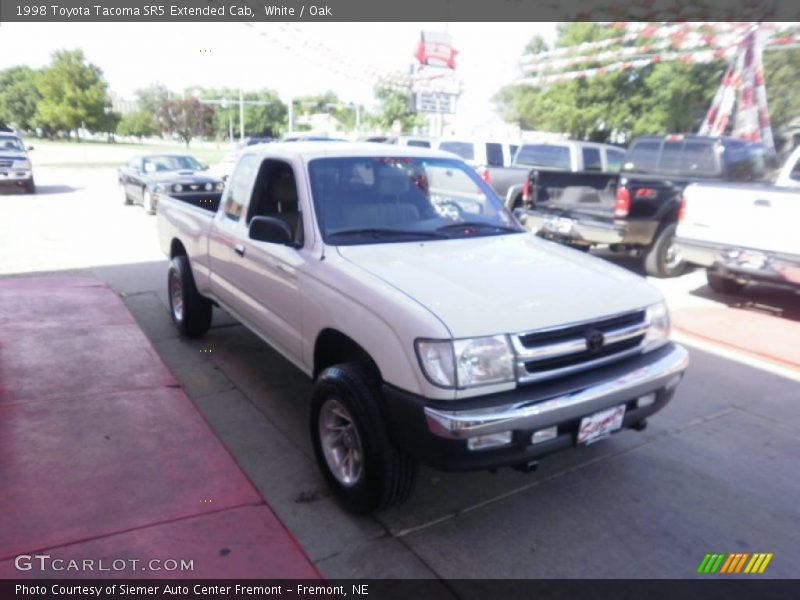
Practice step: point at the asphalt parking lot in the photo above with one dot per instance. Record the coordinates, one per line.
(716, 471)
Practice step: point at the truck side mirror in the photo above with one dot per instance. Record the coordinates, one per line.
(271, 230)
(29, 148)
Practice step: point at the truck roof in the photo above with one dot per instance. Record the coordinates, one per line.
(311, 150)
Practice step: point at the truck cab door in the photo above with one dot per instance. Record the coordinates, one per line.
(269, 283)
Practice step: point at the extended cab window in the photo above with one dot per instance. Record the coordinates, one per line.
(239, 185)
(494, 155)
(385, 199)
(463, 149)
(275, 195)
(591, 159)
(545, 155)
(614, 160)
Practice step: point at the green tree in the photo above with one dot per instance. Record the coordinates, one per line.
(73, 94)
(394, 107)
(154, 100)
(267, 120)
(18, 97)
(140, 123)
(659, 98)
(189, 118)
(781, 73)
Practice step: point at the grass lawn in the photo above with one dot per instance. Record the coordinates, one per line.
(94, 154)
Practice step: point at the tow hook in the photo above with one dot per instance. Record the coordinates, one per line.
(528, 467)
(640, 426)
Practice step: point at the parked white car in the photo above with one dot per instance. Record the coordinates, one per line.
(436, 328)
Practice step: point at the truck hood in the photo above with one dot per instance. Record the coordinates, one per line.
(503, 284)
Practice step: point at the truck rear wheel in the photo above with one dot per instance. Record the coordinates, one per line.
(662, 259)
(722, 284)
(190, 312)
(360, 464)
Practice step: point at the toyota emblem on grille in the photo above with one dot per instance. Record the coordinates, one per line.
(594, 341)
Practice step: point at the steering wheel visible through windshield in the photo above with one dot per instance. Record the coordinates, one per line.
(370, 200)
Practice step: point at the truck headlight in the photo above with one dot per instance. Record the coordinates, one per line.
(468, 362)
(658, 327)
(177, 188)
(21, 164)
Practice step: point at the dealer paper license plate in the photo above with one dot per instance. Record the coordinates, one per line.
(600, 424)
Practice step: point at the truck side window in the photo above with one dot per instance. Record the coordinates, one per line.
(614, 160)
(494, 155)
(239, 186)
(591, 159)
(275, 195)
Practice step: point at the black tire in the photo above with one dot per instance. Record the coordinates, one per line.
(386, 475)
(30, 186)
(659, 259)
(723, 285)
(126, 200)
(192, 316)
(148, 206)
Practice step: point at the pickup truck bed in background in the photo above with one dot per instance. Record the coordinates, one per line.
(741, 233)
(637, 209)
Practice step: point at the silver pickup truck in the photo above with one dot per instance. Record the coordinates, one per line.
(508, 173)
(436, 329)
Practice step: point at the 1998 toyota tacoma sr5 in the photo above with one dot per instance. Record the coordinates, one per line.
(436, 329)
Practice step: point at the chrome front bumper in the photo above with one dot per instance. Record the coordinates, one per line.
(616, 385)
(15, 175)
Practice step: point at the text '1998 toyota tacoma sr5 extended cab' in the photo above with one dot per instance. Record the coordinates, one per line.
(436, 328)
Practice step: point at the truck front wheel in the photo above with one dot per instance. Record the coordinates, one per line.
(662, 259)
(190, 311)
(360, 464)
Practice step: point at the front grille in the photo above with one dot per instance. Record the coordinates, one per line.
(6, 163)
(551, 353)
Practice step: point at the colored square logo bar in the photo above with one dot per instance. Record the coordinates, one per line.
(738, 562)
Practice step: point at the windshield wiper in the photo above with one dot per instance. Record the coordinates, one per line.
(380, 231)
(477, 225)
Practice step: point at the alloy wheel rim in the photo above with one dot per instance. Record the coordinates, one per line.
(341, 443)
(672, 258)
(176, 296)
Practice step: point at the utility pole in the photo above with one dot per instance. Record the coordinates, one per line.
(241, 115)
(225, 102)
(291, 114)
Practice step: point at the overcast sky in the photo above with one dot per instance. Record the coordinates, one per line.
(294, 59)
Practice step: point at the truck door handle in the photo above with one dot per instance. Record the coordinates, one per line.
(239, 249)
(762, 202)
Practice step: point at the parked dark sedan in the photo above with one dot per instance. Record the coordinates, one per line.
(147, 178)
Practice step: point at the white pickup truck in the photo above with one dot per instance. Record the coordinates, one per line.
(436, 328)
(741, 233)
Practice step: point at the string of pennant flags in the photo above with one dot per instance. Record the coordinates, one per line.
(739, 104)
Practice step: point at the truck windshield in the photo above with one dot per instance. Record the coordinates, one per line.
(544, 155)
(398, 199)
(11, 143)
